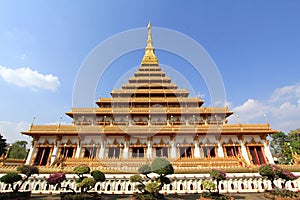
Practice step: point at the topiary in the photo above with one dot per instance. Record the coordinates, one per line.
(10, 178)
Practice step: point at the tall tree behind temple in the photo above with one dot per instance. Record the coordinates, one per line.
(18, 150)
(3, 145)
(278, 147)
(283, 145)
(294, 141)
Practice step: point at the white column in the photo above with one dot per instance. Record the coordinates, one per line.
(220, 150)
(78, 149)
(149, 149)
(55, 152)
(268, 153)
(126, 150)
(173, 151)
(244, 152)
(31, 152)
(196, 149)
(102, 149)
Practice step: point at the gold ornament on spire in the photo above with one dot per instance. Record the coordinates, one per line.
(149, 57)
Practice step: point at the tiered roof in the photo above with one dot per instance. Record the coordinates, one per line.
(150, 93)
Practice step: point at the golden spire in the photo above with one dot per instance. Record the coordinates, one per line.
(149, 40)
(149, 57)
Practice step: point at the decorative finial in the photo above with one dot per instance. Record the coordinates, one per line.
(149, 25)
(149, 57)
(266, 119)
(33, 119)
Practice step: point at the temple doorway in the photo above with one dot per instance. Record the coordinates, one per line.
(42, 156)
(232, 151)
(257, 155)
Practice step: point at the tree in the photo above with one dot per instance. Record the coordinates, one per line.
(272, 172)
(87, 183)
(56, 178)
(283, 144)
(3, 145)
(18, 150)
(217, 175)
(278, 146)
(209, 185)
(150, 186)
(12, 177)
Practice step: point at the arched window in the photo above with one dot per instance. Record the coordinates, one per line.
(98, 187)
(119, 187)
(27, 187)
(108, 187)
(222, 186)
(232, 186)
(37, 187)
(181, 187)
(191, 187)
(129, 188)
(242, 186)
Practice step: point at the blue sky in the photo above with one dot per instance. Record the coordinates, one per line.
(255, 44)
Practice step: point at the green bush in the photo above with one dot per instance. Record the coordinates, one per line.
(135, 178)
(98, 176)
(84, 183)
(150, 191)
(152, 187)
(10, 178)
(28, 170)
(144, 169)
(208, 185)
(162, 166)
(81, 169)
(273, 172)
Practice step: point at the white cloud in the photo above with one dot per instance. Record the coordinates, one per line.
(282, 109)
(26, 77)
(11, 131)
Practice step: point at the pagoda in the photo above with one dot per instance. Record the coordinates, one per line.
(149, 117)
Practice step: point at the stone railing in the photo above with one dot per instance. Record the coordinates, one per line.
(181, 183)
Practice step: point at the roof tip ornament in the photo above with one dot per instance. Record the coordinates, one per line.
(149, 25)
(266, 119)
(149, 57)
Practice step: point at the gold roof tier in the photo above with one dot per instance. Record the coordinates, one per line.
(227, 129)
(151, 99)
(149, 110)
(149, 73)
(178, 92)
(150, 86)
(151, 68)
(150, 79)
